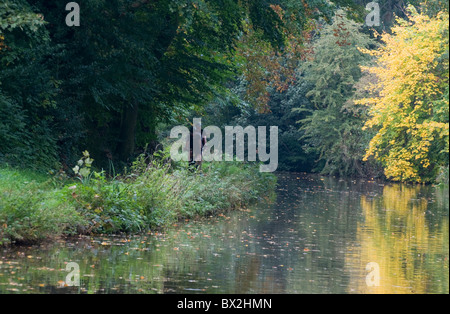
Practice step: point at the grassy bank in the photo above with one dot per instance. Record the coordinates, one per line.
(150, 195)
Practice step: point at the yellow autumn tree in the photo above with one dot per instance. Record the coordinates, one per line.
(409, 108)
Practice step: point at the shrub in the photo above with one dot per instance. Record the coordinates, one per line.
(31, 210)
(157, 193)
(154, 194)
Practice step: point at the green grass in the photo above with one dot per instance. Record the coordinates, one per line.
(151, 195)
(31, 208)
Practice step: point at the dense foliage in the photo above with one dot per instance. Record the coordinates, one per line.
(27, 88)
(151, 195)
(333, 129)
(133, 66)
(105, 85)
(410, 109)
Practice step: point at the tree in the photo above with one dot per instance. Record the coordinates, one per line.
(133, 63)
(410, 113)
(27, 90)
(333, 128)
(105, 85)
(279, 113)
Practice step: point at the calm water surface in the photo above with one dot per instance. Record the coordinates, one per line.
(317, 237)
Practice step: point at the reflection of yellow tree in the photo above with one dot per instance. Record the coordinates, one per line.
(411, 253)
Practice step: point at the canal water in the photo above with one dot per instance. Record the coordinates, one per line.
(320, 235)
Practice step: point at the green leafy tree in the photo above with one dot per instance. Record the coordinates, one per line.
(280, 113)
(333, 128)
(105, 85)
(27, 88)
(132, 64)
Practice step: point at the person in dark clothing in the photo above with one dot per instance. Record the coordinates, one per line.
(196, 158)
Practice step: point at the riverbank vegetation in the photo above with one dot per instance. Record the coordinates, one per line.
(149, 196)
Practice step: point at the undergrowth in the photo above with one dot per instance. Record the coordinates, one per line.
(154, 193)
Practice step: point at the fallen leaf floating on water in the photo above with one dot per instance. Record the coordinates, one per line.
(61, 284)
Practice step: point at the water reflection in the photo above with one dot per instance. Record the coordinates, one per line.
(318, 237)
(406, 233)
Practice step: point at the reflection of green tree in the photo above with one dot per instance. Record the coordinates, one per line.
(398, 234)
(325, 221)
(204, 252)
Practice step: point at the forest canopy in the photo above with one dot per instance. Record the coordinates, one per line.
(349, 99)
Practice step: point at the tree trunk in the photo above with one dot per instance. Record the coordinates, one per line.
(127, 139)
